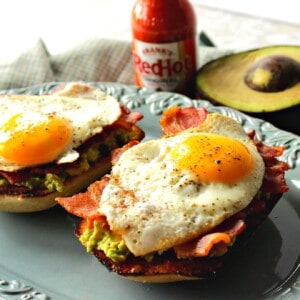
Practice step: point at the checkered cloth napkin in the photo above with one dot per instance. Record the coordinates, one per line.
(96, 60)
(92, 60)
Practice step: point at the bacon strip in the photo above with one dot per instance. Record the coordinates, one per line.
(176, 119)
(131, 117)
(85, 205)
(203, 245)
(274, 180)
(14, 177)
(116, 153)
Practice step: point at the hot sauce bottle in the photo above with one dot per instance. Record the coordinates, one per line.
(164, 44)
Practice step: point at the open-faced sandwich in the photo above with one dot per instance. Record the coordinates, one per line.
(174, 208)
(56, 145)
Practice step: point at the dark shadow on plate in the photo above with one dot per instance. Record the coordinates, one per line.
(248, 275)
(285, 119)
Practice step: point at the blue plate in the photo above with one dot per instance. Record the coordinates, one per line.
(42, 259)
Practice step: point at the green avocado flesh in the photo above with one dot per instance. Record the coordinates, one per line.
(256, 81)
(98, 238)
(51, 182)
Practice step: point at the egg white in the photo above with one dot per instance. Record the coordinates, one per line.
(155, 207)
(86, 116)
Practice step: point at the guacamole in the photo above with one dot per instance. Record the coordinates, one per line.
(101, 239)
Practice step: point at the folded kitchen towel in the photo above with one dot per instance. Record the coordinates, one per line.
(92, 60)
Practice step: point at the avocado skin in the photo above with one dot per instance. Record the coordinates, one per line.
(222, 81)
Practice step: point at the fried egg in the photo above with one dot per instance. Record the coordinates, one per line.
(168, 191)
(37, 130)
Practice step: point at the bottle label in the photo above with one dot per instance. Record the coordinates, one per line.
(167, 66)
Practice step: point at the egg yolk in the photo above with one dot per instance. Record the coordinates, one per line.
(213, 158)
(34, 142)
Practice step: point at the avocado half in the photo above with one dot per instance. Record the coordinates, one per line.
(257, 81)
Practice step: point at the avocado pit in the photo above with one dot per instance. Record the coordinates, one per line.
(273, 73)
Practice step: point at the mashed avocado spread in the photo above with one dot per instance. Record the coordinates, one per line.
(101, 239)
(51, 181)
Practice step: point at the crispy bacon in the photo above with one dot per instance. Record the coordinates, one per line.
(202, 246)
(176, 119)
(222, 234)
(85, 205)
(131, 117)
(274, 180)
(116, 153)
